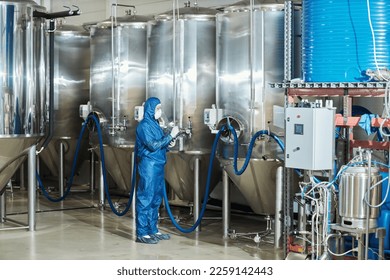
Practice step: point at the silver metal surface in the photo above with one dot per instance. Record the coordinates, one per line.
(61, 169)
(128, 76)
(196, 192)
(71, 88)
(245, 69)
(180, 175)
(119, 165)
(125, 79)
(225, 204)
(102, 197)
(23, 81)
(353, 187)
(278, 208)
(250, 52)
(32, 187)
(181, 73)
(257, 184)
(2, 207)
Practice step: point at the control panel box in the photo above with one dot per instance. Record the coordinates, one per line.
(310, 137)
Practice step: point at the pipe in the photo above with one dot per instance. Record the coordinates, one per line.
(196, 191)
(225, 204)
(32, 184)
(61, 175)
(368, 206)
(51, 85)
(278, 208)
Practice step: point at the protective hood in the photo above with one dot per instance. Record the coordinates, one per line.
(150, 107)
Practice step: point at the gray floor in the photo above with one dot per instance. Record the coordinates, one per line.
(77, 230)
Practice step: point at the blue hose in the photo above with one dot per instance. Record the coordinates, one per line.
(237, 172)
(206, 196)
(70, 182)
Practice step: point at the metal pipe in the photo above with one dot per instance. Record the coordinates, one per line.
(101, 188)
(196, 191)
(61, 175)
(174, 58)
(2, 208)
(113, 17)
(32, 185)
(92, 172)
(278, 208)
(288, 45)
(51, 85)
(225, 204)
(251, 65)
(368, 206)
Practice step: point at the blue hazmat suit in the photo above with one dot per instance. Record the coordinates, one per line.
(151, 146)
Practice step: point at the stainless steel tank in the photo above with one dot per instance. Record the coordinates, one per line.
(250, 53)
(71, 88)
(22, 82)
(118, 84)
(353, 194)
(181, 73)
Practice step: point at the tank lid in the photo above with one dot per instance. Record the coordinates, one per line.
(360, 170)
(71, 28)
(188, 12)
(245, 4)
(128, 19)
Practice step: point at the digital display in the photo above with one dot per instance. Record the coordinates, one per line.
(298, 129)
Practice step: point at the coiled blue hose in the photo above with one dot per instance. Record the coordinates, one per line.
(70, 182)
(237, 172)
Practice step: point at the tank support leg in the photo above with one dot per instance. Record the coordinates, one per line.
(225, 204)
(61, 173)
(92, 172)
(2, 208)
(101, 189)
(135, 187)
(32, 185)
(196, 191)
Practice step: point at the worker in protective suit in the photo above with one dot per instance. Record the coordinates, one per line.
(152, 146)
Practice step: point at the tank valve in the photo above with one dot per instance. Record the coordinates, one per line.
(189, 128)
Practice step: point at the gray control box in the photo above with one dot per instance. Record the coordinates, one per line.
(310, 136)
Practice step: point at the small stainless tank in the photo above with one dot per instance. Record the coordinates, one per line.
(353, 190)
(71, 88)
(118, 84)
(22, 83)
(181, 73)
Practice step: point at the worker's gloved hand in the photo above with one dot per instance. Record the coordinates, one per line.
(175, 131)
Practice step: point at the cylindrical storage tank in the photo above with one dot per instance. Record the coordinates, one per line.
(22, 82)
(71, 88)
(338, 44)
(250, 52)
(118, 84)
(181, 73)
(353, 190)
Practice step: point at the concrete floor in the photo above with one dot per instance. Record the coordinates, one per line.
(77, 230)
